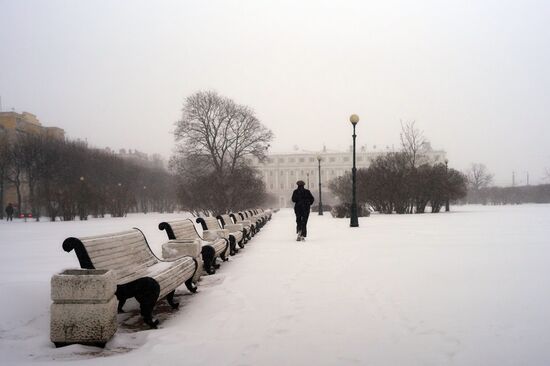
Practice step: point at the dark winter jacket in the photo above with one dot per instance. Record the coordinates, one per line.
(302, 199)
(9, 210)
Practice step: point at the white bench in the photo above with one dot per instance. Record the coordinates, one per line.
(240, 218)
(212, 246)
(228, 223)
(139, 273)
(211, 228)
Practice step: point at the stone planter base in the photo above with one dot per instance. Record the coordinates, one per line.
(84, 308)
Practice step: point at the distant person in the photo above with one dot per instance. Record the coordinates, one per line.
(9, 212)
(302, 199)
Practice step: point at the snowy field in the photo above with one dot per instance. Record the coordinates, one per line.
(470, 287)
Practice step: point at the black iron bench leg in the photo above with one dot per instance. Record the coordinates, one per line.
(146, 291)
(233, 245)
(190, 285)
(121, 303)
(241, 243)
(209, 259)
(170, 299)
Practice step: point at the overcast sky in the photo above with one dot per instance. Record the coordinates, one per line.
(474, 75)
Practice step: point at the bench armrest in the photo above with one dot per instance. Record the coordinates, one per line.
(174, 249)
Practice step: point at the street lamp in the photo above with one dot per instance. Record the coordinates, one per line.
(82, 201)
(354, 221)
(319, 158)
(447, 208)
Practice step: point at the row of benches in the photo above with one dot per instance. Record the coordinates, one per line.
(141, 274)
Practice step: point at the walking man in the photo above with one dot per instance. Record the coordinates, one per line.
(302, 199)
(9, 212)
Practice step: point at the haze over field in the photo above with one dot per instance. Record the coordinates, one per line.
(474, 75)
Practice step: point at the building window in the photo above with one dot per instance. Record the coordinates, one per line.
(271, 186)
(282, 186)
(270, 161)
(346, 159)
(292, 172)
(332, 160)
(311, 160)
(281, 160)
(291, 160)
(271, 173)
(301, 160)
(360, 158)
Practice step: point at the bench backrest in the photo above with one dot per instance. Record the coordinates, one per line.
(225, 219)
(126, 252)
(180, 229)
(236, 217)
(209, 223)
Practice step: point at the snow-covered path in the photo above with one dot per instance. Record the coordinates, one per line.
(465, 288)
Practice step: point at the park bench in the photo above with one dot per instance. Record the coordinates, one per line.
(139, 273)
(265, 213)
(227, 222)
(211, 227)
(212, 246)
(261, 220)
(238, 218)
(254, 223)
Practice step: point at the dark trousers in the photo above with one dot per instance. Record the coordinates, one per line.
(10, 217)
(301, 221)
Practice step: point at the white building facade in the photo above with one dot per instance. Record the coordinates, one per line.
(281, 171)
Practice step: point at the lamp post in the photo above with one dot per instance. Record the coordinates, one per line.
(354, 221)
(319, 158)
(447, 208)
(82, 202)
(144, 200)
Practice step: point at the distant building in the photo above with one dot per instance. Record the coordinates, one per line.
(13, 122)
(281, 170)
(141, 158)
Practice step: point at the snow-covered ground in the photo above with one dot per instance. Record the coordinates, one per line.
(470, 287)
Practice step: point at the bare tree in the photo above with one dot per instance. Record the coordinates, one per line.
(15, 173)
(412, 142)
(217, 133)
(478, 176)
(4, 161)
(214, 137)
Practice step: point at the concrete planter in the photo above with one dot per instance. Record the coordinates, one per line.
(175, 249)
(84, 307)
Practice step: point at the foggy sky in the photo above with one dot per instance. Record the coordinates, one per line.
(474, 75)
